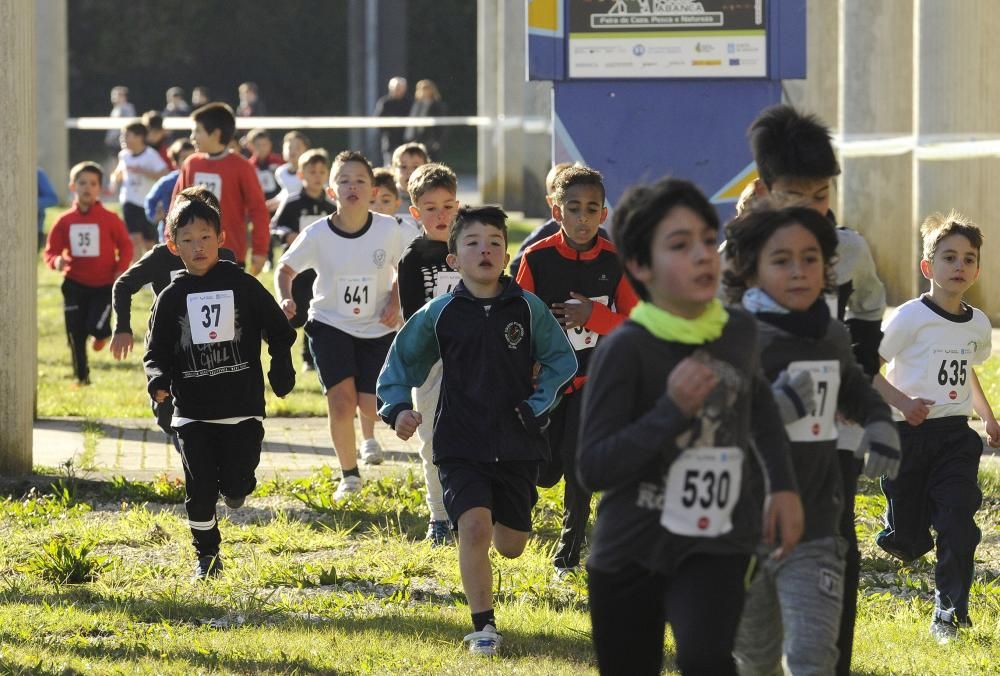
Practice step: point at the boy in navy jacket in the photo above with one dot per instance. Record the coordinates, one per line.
(488, 441)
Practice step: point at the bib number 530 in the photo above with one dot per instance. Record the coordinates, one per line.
(702, 487)
(706, 488)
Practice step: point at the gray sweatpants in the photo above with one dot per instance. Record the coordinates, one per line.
(426, 397)
(793, 608)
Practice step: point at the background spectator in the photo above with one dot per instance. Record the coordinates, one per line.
(200, 95)
(427, 103)
(177, 105)
(251, 103)
(120, 107)
(394, 104)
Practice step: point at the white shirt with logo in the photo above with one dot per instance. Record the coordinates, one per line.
(930, 354)
(354, 275)
(135, 186)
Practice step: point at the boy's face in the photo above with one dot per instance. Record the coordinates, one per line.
(813, 193)
(352, 186)
(134, 143)
(198, 245)
(481, 254)
(87, 187)
(683, 273)
(205, 142)
(292, 150)
(580, 214)
(385, 201)
(262, 147)
(955, 267)
(314, 176)
(791, 269)
(406, 165)
(435, 211)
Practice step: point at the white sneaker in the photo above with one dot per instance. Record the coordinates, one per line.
(485, 642)
(349, 485)
(371, 452)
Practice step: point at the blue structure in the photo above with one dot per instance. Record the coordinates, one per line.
(646, 88)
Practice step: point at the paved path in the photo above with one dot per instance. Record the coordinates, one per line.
(138, 449)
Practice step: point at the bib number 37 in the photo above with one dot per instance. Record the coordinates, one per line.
(212, 317)
(702, 487)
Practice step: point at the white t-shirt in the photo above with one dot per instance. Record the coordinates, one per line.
(930, 353)
(288, 179)
(135, 186)
(354, 272)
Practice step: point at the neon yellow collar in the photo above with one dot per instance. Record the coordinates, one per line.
(666, 326)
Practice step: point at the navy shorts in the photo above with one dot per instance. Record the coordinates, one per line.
(507, 489)
(339, 355)
(136, 223)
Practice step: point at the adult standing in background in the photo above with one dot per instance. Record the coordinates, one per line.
(427, 103)
(177, 105)
(394, 104)
(121, 107)
(251, 103)
(200, 96)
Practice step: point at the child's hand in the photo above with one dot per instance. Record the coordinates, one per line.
(121, 345)
(288, 307)
(573, 313)
(915, 410)
(390, 313)
(783, 514)
(290, 237)
(993, 434)
(160, 396)
(58, 263)
(257, 264)
(407, 423)
(689, 384)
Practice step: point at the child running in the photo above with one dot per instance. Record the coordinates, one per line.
(90, 246)
(488, 441)
(780, 265)
(577, 273)
(204, 351)
(673, 399)
(931, 345)
(424, 274)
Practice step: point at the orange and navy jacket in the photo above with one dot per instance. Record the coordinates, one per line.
(551, 269)
(98, 261)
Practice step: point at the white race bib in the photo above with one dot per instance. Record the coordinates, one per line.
(820, 423)
(85, 240)
(356, 296)
(211, 181)
(702, 487)
(582, 338)
(947, 378)
(445, 282)
(267, 182)
(212, 316)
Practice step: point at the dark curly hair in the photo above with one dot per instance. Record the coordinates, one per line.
(747, 235)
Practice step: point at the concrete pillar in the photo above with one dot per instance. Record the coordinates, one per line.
(488, 41)
(819, 92)
(53, 92)
(18, 185)
(876, 98)
(957, 92)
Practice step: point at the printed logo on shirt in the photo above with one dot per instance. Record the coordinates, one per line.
(829, 582)
(379, 258)
(514, 333)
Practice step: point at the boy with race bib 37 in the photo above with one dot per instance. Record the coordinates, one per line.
(931, 345)
(673, 399)
(780, 264)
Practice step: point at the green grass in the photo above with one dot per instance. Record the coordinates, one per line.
(118, 389)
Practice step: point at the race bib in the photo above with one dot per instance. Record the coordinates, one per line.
(267, 182)
(947, 380)
(356, 296)
(820, 423)
(445, 282)
(582, 338)
(85, 240)
(211, 181)
(212, 317)
(702, 487)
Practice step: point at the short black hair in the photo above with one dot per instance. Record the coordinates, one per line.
(296, 134)
(178, 147)
(81, 167)
(314, 156)
(191, 203)
(345, 156)
(385, 179)
(427, 177)
(257, 133)
(490, 214)
(153, 120)
(641, 209)
(573, 176)
(219, 116)
(137, 128)
(747, 235)
(789, 144)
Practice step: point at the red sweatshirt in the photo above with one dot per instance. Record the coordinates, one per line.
(94, 244)
(234, 181)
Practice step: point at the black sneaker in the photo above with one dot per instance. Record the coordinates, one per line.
(208, 566)
(439, 533)
(234, 503)
(887, 542)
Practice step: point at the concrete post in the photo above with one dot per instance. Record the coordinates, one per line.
(488, 39)
(876, 98)
(957, 92)
(53, 92)
(18, 273)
